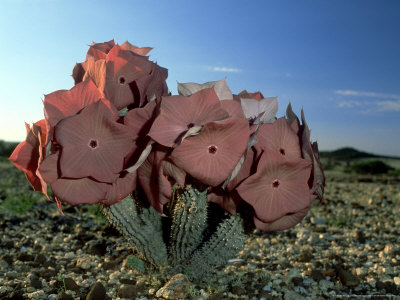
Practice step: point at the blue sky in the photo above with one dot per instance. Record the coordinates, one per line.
(339, 60)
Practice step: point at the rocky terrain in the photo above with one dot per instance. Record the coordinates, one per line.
(346, 248)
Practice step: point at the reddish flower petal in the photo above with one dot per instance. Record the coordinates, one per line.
(61, 104)
(139, 122)
(95, 70)
(157, 86)
(99, 50)
(178, 114)
(79, 191)
(278, 187)
(173, 171)
(212, 155)
(282, 223)
(93, 144)
(310, 153)
(228, 201)
(233, 108)
(22, 156)
(28, 155)
(121, 188)
(72, 191)
(279, 137)
(257, 95)
(244, 172)
(78, 72)
(140, 51)
(127, 77)
(153, 182)
(49, 168)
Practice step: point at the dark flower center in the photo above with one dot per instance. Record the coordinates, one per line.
(93, 144)
(122, 80)
(275, 183)
(212, 149)
(190, 125)
(282, 151)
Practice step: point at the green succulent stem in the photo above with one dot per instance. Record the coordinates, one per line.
(190, 237)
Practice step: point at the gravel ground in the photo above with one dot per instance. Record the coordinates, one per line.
(346, 248)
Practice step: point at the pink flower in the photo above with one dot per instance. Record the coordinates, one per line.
(285, 222)
(178, 114)
(278, 137)
(212, 155)
(123, 75)
(99, 51)
(29, 154)
(65, 103)
(93, 143)
(71, 191)
(84, 190)
(278, 187)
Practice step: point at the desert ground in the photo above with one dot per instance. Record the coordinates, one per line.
(347, 247)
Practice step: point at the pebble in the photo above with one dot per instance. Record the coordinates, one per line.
(396, 280)
(97, 292)
(83, 263)
(176, 288)
(267, 288)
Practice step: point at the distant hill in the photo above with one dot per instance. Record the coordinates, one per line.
(349, 153)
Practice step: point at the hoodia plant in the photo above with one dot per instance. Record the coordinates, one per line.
(185, 178)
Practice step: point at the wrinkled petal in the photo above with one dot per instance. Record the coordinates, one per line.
(266, 108)
(221, 89)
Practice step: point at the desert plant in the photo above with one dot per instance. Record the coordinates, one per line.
(184, 178)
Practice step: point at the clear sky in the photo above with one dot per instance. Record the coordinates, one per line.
(339, 60)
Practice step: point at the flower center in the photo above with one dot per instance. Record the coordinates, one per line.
(282, 151)
(212, 149)
(93, 144)
(121, 80)
(275, 183)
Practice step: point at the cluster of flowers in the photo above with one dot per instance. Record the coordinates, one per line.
(119, 128)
